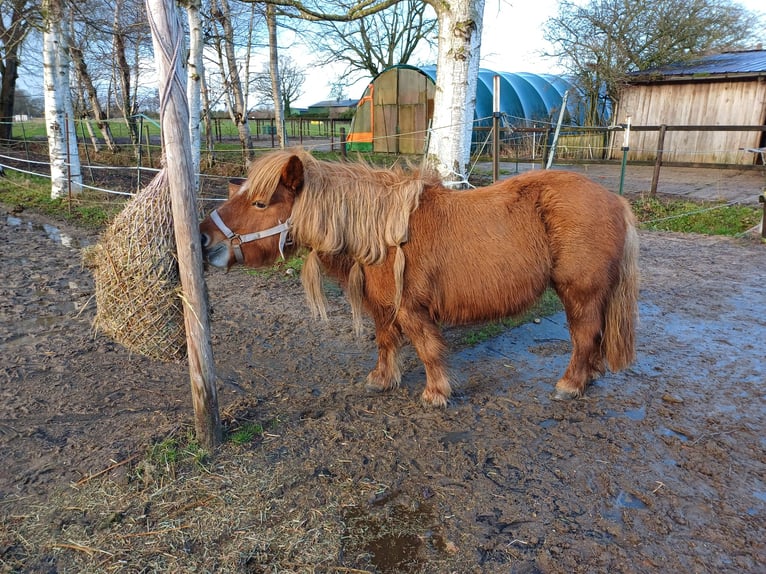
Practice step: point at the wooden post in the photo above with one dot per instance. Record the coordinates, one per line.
(495, 128)
(658, 161)
(169, 52)
(343, 152)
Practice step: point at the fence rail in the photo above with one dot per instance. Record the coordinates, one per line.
(679, 145)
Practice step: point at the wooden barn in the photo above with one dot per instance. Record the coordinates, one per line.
(727, 89)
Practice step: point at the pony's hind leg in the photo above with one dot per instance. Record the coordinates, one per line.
(429, 344)
(387, 374)
(587, 361)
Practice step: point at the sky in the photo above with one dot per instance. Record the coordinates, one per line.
(512, 41)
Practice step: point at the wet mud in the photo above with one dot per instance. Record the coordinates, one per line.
(659, 468)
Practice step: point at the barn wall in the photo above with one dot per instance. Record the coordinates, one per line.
(694, 103)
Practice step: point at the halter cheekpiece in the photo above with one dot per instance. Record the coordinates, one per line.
(236, 240)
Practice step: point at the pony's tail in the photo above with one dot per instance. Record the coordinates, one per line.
(619, 341)
(356, 295)
(398, 277)
(311, 277)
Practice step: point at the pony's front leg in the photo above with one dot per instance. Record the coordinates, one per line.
(387, 373)
(427, 339)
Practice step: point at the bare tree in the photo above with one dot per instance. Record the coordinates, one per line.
(601, 41)
(379, 41)
(86, 84)
(223, 39)
(291, 80)
(16, 18)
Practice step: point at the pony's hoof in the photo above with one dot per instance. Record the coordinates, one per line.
(562, 395)
(433, 400)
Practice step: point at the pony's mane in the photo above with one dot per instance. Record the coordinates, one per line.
(348, 208)
(345, 207)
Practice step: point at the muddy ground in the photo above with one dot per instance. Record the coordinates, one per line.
(660, 468)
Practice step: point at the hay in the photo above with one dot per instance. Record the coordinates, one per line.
(137, 279)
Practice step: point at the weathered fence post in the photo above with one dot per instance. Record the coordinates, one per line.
(658, 160)
(169, 50)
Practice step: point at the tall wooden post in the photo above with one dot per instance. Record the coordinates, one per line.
(169, 50)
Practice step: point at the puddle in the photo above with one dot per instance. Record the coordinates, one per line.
(638, 414)
(623, 501)
(393, 540)
(51, 231)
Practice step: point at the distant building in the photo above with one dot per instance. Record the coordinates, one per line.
(332, 109)
(727, 89)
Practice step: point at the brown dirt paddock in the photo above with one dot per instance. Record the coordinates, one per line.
(659, 469)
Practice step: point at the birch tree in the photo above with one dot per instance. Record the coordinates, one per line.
(59, 114)
(221, 17)
(276, 95)
(195, 73)
(457, 73)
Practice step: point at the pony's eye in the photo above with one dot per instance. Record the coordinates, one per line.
(259, 205)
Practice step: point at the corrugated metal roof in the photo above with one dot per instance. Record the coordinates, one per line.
(746, 63)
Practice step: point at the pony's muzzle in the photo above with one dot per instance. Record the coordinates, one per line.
(216, 255)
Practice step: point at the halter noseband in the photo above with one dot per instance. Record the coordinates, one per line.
(282, 229)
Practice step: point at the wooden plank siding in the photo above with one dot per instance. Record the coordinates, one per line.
(692, 103)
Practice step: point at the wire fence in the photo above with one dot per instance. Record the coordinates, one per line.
(109, 176)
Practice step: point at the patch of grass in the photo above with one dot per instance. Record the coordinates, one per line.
(165, 458)
(88, 209)
(548, 304)
(246, 433)
(292, 268)
(695, 217)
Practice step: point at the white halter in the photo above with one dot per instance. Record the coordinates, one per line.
(283, 229)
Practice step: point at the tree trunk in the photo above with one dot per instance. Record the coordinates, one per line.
(86, 82)
(279, 118)
(457, 72)
(8, 91)
(209, 136)
(194, 82)
(123, 75)
(59, 115)
(238, 109)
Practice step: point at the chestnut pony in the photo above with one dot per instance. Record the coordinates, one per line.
(414, 255)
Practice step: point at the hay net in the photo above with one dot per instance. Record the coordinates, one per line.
(135, 268)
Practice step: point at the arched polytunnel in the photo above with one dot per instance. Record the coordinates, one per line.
(394, 112)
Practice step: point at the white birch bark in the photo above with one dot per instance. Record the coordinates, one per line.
(457, 72)
(279, 117)
(194, 83)
(59, 114)
(238, 110)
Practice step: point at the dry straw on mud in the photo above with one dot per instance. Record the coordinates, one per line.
(137, 280)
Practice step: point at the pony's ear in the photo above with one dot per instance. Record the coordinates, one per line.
(235, 184)
(292, 174)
